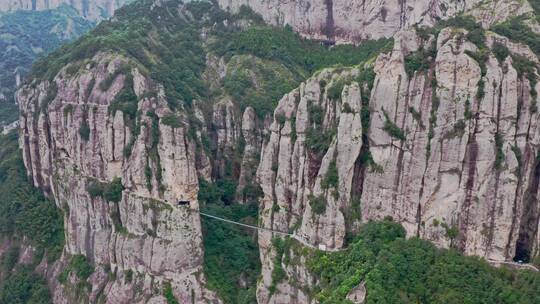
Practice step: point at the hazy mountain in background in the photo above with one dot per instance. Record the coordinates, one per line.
(29, 29)
(26, 35)
(89, 9)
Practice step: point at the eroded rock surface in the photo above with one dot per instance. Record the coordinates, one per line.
(452, 165)
(145, 233)
(353, 21)
(448, 148)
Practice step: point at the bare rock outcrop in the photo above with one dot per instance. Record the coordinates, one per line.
(439, 134)
(353, 21)
(76, 136)
(449, 149)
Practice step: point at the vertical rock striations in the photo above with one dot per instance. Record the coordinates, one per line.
(440, 134)
(445, 143)
(353, 21)
(79, 136)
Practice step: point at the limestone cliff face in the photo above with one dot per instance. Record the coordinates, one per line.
(449, 148)
(292, 173)
(72, 138)
(454, 165)
(353, 21)
(90, 9)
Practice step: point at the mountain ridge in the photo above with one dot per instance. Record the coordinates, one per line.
(433, 129)
(93, 10)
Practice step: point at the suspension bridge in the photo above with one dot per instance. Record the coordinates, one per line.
(324, 248)
(291, 235)
(244, 225)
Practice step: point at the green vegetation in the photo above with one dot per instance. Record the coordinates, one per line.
(365, 79)
(347, 108)
(319, 142)
(317, 139)
(168, 294)
(126, 101)
(287, 58)
(336, 87)
(84, 130)
(172, 121)
(24, 211)
(131, 33)
(476, 34)
(258, 83)
(467, 114)
(78, 265)
(518, 31)
(231, 253)
(278, 273)
(223, 191)
(10, 258)
(481, 57)
(111, 192)
(81, 267)
(280, 118)
(52, 91)
(396, 270)
(128, 275)
(519, 159)
(287, 47)
(264, 62)
(420, 60)
(416, 116)
(24, 36)
(499, 154)
(316, 114)
(24, 286)
(457, 130)
(500, 51)
(106, 83)
(392, 129)
(153, 155)
(366, 158)
(25, 214)
(526, 68)
(435, 101)
(331, 179)
(317, 203)
(68, 109)
(451, 233)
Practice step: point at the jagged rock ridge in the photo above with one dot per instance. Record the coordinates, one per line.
(452, 160)
(409, 134)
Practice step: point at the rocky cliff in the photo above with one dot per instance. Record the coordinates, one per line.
(74, 141)
(350, 21)
(449, 151)
(173, 102)
(92, 10)
(123, 159)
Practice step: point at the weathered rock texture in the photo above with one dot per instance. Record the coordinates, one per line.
(90, 9)
(454, 166)
(145, 233)
(422, 145)
(353, 21)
